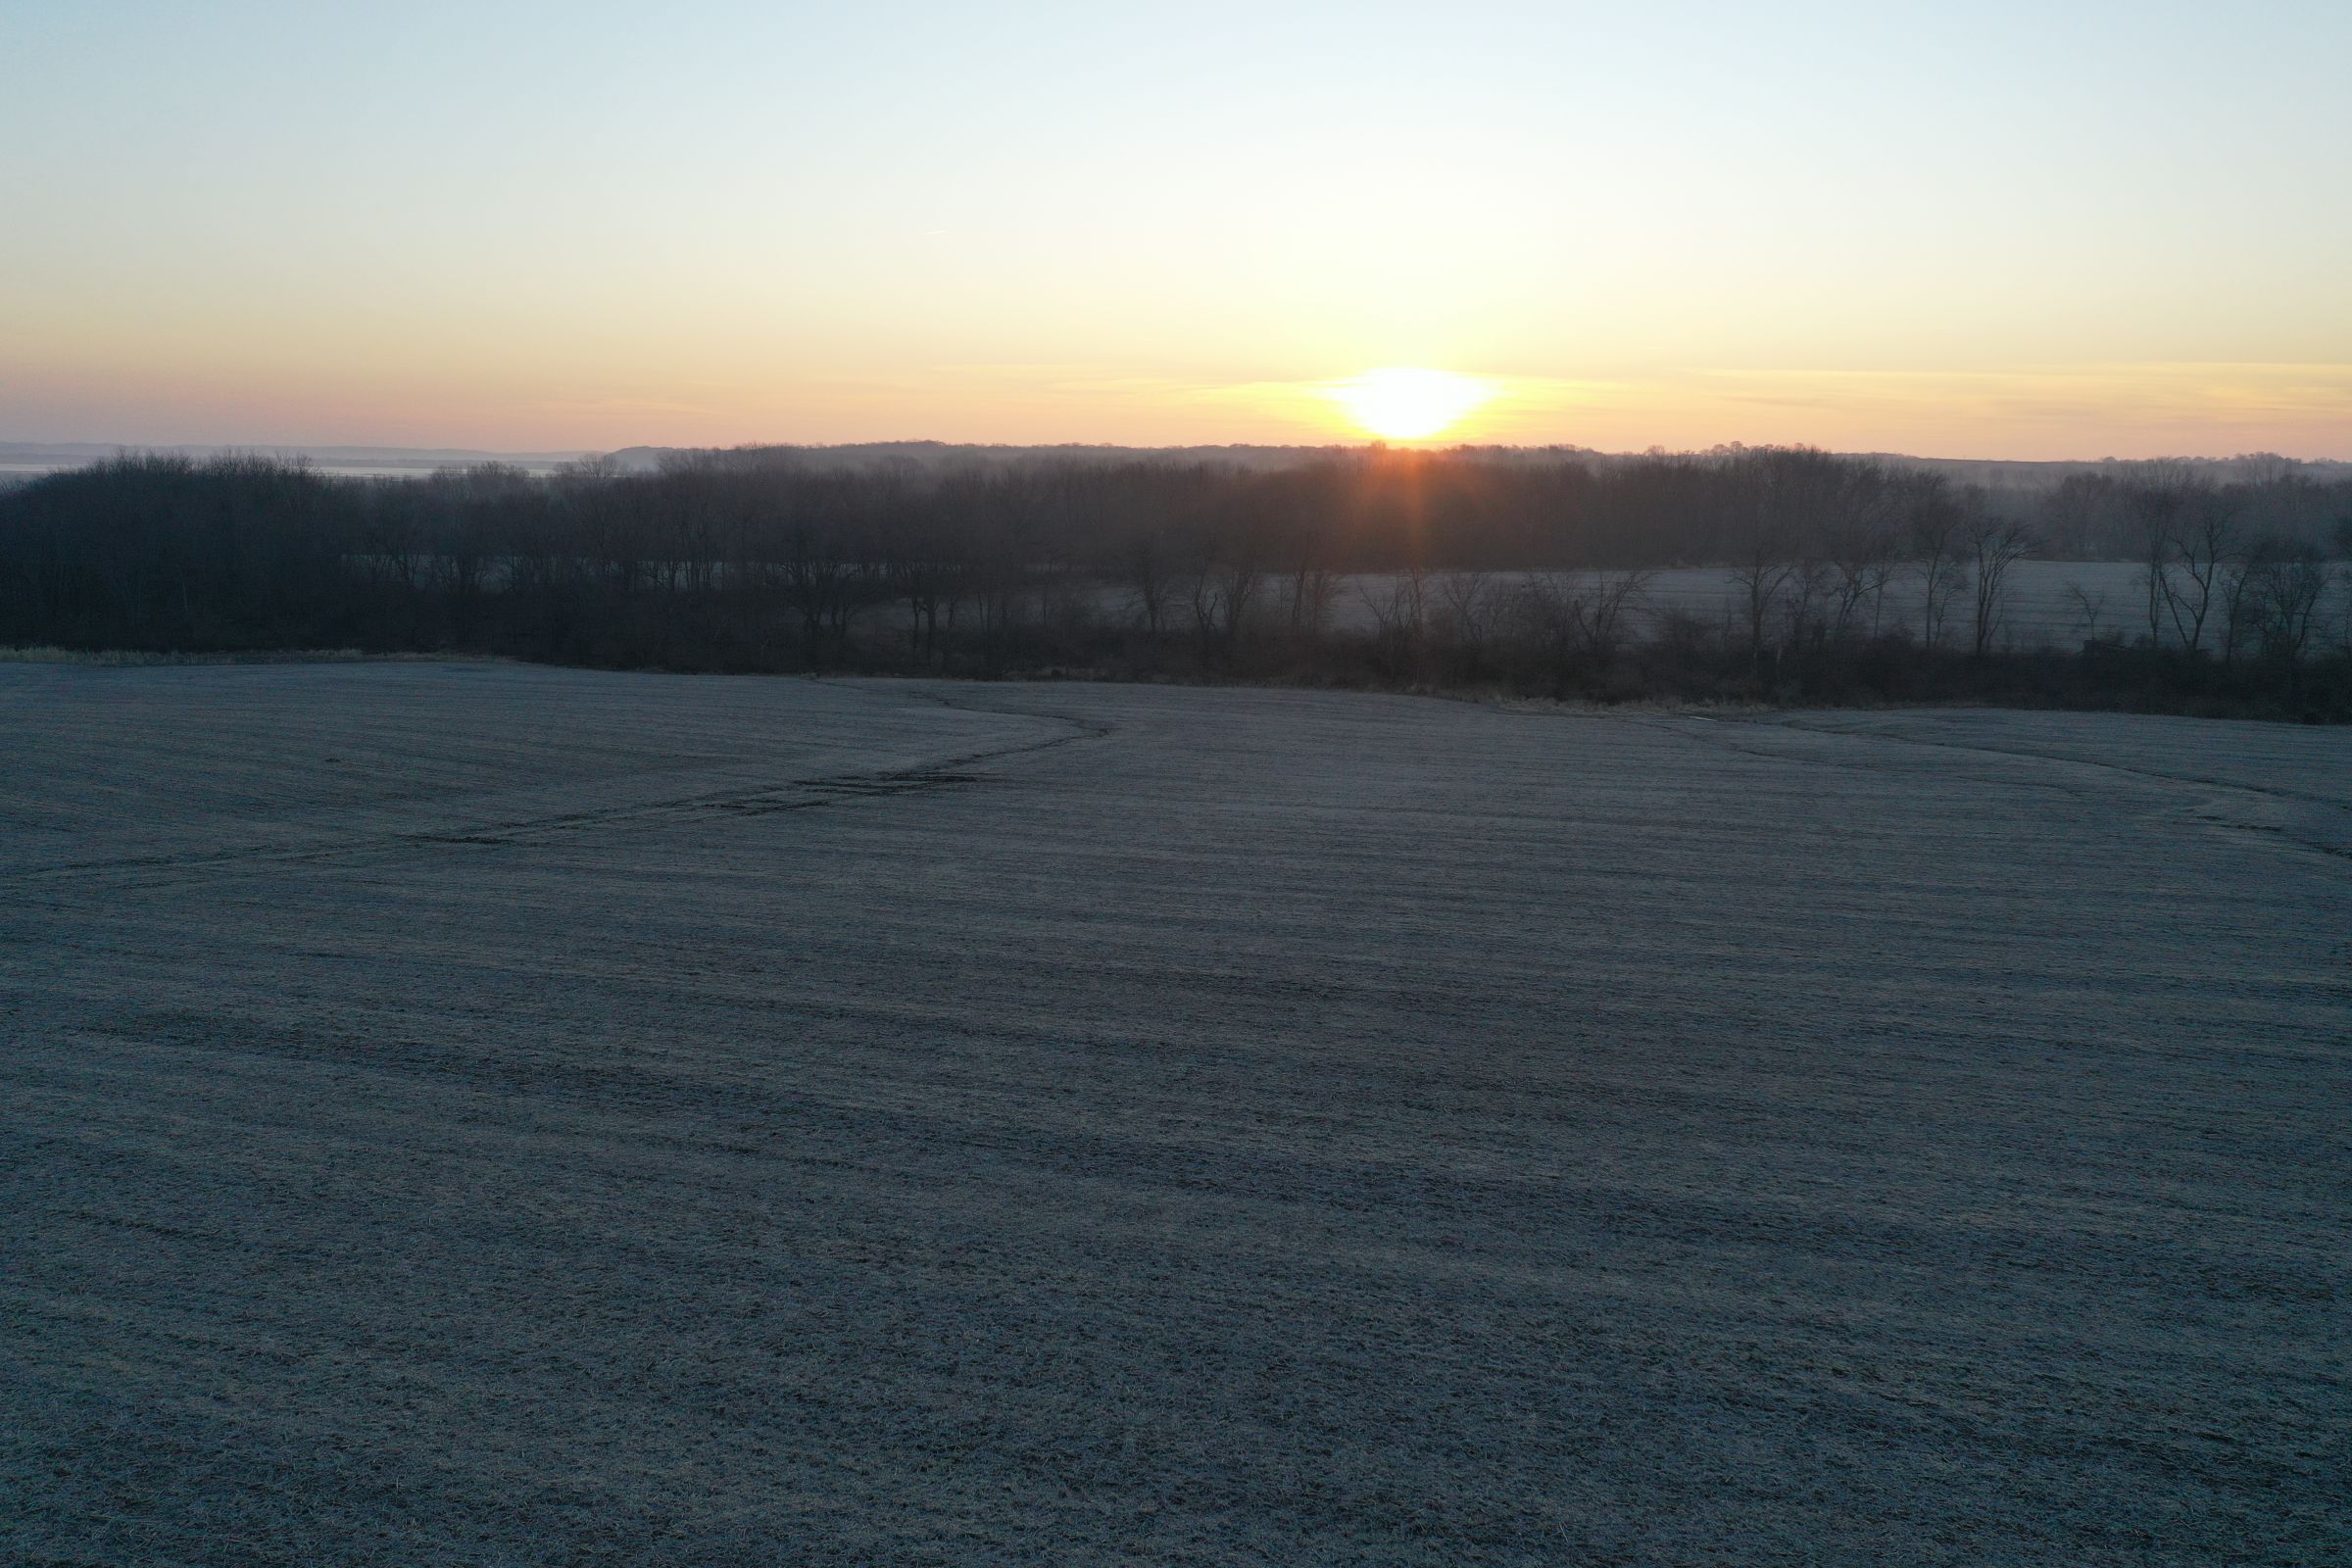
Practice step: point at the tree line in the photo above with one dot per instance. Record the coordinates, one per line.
(1846, 577)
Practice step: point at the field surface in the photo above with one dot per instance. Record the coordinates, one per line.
(492, 1115)
(2045, 604)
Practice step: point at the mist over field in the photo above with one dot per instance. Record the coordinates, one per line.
(1782, 575)
(466, 1114)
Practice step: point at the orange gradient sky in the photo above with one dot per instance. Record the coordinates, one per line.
(2002, 230)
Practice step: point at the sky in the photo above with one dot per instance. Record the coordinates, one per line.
(1986, 229)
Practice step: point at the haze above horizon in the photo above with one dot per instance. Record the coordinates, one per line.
(1995, 230)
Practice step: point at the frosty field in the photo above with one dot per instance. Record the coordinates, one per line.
(469, 1114)
(2039, 608)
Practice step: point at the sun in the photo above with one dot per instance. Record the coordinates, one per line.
(1402, 403)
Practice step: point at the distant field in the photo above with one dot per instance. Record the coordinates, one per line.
(2039, 608)
(481, 1114)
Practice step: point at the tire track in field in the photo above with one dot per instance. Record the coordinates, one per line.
(2332, 802)
(799, 794)
(1713, 737)
(2181, 791)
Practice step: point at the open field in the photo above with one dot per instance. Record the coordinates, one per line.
(2043, 604)
(2039, 610)
(486, 1114)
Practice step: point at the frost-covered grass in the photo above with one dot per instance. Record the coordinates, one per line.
(494, 1114)
(138, 658)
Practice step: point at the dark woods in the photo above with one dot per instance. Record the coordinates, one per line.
(1841, 578)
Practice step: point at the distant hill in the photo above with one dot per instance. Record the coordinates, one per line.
(941, 453)
(24, 459)
(1998, 473)
(44, 457)
(1994, 474)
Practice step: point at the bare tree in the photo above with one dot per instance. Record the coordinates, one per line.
(1578, 619)
(1468, 611)
(1941, 560)
(2088, 608)
(1312, 581)
(1225, 576)
(1858, 547)
(1149, 575)
(1759, 582)
(1400, 612)
(819, 576)
(1993, 547)
(1611, 603)
(1774, 494)
(2203, 536)
(2237, 579)
(2073, 515)
(1313, 590)
(2156, 496)
(2289, 583)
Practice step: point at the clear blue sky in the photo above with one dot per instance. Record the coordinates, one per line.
(1968, 228)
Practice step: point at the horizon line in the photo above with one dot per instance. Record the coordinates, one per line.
(99, 447)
